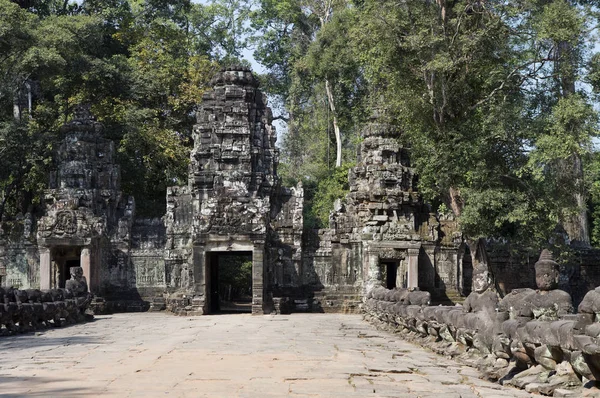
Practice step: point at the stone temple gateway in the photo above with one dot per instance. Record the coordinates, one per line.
(230, 202)
(87, 218)
(381, 234)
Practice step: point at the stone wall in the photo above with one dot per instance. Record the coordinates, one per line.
(147, 255)
(285, 252)
(381, 234)
(19, 255)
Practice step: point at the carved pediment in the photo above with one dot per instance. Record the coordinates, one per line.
(66, 223)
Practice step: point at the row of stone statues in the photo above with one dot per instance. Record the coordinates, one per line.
(33, 309)
(530, 338)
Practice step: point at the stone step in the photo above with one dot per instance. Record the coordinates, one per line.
(331, 304)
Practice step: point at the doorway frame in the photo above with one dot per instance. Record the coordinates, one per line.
(212, 264)
(202, 272)
(62, 255)
(90, 257)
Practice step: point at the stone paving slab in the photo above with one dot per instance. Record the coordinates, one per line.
(300, 355)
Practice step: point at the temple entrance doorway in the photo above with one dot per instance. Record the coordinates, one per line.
(62, 259)
(393, 274)
(230, 282)
(467, 273)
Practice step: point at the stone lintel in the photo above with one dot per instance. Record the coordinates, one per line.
(403, 245)
(217, 240)
(71, 241)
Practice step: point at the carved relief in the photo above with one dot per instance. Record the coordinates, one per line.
(391, 254)
(66, 223)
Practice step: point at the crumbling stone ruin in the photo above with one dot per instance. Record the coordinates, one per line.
(384, 250)
(233, 203)
(380, 234)
(87, 220)
(385, 220)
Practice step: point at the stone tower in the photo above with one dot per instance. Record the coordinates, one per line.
(87, 218)
(383, 211)
(227, 205)
(232, 171)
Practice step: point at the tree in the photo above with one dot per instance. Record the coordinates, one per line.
(324, 10)
(34, 49)
(451, 77)
(560, 30)
(139, 64)
(315, 75)
(291, 29)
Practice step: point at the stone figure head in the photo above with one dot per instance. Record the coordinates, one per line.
(482, 280)
(76, 272)
(546, 271)
(82, 112)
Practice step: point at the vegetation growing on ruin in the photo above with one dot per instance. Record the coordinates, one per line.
(498, 100)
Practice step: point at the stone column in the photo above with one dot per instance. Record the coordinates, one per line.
(373, 272)
(258, 266)
(45, 268)
(413, 268)
(400, 274)
(86, 264)
(201, 292)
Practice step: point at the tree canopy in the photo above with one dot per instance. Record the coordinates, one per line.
(497, 101)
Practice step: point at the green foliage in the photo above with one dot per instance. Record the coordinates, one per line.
(559, 21)
(23, 165)
(235, 277)
(224, 26)
(489, 96)
(593, 78)
(570, 129)
(141, 65)
(322, 195)
(303, 44)
(445, 76)
(486, 97)
(593, 178)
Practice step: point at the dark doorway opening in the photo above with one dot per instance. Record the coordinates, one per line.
(391, 274)
(230, 282)
(63, 258)
(467, 272)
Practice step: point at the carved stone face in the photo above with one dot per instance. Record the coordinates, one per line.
(546, 272)
(546, 277)
(76, 272)
(481, 281)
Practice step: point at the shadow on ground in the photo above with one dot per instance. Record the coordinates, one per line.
(40, 338)
(43, 387)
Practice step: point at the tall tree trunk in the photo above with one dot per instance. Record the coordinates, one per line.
(576, 225)
(336, 128)
(324, 10)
